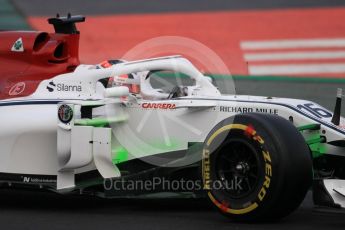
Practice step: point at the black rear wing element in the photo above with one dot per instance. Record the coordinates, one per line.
(66, 25)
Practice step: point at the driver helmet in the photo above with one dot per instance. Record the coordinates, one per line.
(133, 88)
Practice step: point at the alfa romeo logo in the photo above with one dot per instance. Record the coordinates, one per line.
(65, 113)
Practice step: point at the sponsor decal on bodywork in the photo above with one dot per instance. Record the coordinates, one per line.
(158, 106)
(230, 109)
(36, 180)
(65, 113)
(61, 87)
(28, 178)
(17, 89)
(18, 46)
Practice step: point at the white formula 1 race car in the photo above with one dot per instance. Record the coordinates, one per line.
(105, 130)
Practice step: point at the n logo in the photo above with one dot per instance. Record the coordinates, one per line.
(27, 179)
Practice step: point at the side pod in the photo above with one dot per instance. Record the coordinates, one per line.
(79, 146)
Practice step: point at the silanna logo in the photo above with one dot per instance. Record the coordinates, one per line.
(61, 87)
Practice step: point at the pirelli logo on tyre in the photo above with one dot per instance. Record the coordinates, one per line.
(206, 169)
(250, 133)
(268, 175)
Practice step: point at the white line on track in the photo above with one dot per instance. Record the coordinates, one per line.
(293, 43)
(269, 56)
(296, 69)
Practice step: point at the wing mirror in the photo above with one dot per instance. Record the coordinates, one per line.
(117, 91)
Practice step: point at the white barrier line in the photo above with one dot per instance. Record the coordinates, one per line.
(293, 43)
(296, 69)
(294, 55)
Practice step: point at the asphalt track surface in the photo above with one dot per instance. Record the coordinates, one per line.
(97, 7)
(49, 211)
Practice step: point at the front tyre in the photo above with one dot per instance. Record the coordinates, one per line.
(256, 167)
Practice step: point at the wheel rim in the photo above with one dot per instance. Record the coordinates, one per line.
(237, 168)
